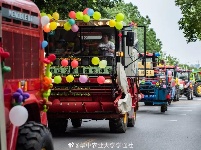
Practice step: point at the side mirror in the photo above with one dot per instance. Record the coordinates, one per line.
(130, 39)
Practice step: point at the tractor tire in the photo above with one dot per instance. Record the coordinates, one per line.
(76, 123)
(34, 136)
(163, 108)
(195, 90)
(57, 125)
(131, 122)
(117, 125)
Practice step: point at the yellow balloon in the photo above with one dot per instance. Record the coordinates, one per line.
(102, 63)
(119, 25)
(50, 17)
(79, 15)
(53, 25)
(86, 18)
(67, 26)
(96, 15)
(119, 17)
(55, 15)
(112, 23)
(69, 78)
(95, 60)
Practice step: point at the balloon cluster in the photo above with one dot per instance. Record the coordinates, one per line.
(47, 80)
(19, 96)
(3, 56)
(49, 22)
(96, 61)
(118, 22)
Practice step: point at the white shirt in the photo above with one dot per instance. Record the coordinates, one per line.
(109, 45)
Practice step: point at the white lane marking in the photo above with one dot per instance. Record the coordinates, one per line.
(172, 120)
(186, 110)
(182, 114)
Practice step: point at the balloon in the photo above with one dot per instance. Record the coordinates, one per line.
(46, 28)
(51, 57)
(42, 14)
(86, 18)
(119, 17)
(44, 44)
(64, 62)
(169, 73)
(74, 63)
(85, 11)
(71, 21)
(69, 78)
(83, 78)
(16, 95)
(53, 25)
(102, 63)
(74, 28)
(49, 74)
(72, 15)
(119, 25)
(45, 20)
(18, 115)
(57, 79)
(96, 15)
(50, 16)
(19, 91)
(90, 12)
(6, 69)
(67, 26)
(79, 15)
(95, 60)
(20, 99)
(55, 15)
(100, 79)
(112, 23)
(25, 95)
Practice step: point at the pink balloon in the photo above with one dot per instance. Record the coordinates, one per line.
(64, 62)
(100, 79)
(74, 28)
(74, 63)
(85, 11)
(169, 73)
(83, 78)
(72, 15)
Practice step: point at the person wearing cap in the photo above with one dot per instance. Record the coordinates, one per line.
(106, 47)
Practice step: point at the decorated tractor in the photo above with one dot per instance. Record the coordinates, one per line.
(195, 77)
(155, 86)
(92, 79)
(185, 85)
(24, 121)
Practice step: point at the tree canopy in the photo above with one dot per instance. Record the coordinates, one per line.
(190, 22)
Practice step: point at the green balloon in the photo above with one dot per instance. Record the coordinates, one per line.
(6, 69)
(86, 18)
(119, 17)
(119, 25)
(57, 79)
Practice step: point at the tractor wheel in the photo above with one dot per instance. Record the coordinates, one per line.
(118, 125)
(76, 123)
(197, 89)
(163, 108)
(34, 136)
(58, 125)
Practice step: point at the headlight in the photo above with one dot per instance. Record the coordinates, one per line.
(108, 81)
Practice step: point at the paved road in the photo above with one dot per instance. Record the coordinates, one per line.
(177, 129)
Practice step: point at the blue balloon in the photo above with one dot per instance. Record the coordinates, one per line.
(90, 12)
(71, 21)
(157, 54)
(44, 44)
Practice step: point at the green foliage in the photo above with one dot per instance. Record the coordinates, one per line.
(190, 23)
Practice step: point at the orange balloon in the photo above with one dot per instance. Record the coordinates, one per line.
(46, 28)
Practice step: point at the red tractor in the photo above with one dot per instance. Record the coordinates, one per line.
(24, 125)
(89, 84)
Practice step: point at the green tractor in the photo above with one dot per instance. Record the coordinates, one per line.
(196, 79)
